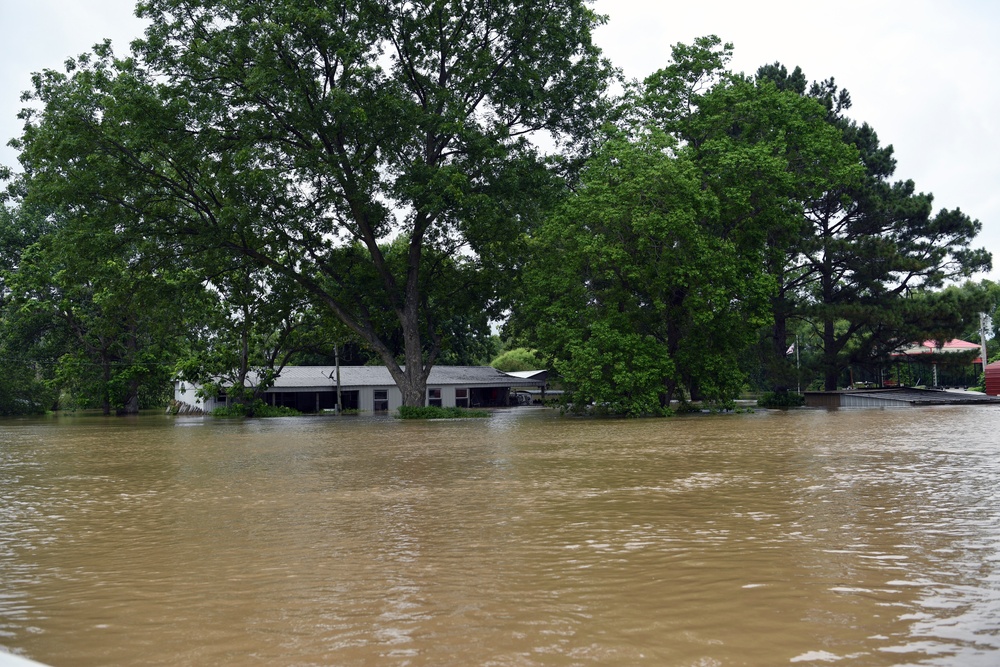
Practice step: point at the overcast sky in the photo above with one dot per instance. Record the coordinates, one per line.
(924, 73)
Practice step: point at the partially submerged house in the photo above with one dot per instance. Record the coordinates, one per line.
(372, 389)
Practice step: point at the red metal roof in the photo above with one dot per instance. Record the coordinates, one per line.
(954, 345)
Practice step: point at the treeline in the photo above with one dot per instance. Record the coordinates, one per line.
(266, 183)
(721, 219)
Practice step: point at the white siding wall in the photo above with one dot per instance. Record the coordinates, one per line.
(186, 392)
(448, 397)
(395, 399)
(366, 398)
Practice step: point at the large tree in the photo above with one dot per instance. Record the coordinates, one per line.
(635, 289)
(27, 349)
(101, 311)
(286, 131)
(651, 277)
(866, 246)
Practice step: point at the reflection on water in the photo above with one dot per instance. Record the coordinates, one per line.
(865, 537)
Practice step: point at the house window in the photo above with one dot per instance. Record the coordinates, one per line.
(381, 403)
(461, 398)
(434, 397)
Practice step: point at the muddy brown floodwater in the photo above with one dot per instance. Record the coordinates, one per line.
(850, 537)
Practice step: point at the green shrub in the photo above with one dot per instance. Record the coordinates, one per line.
(275, 411)
(234, 410)
(728, 405)
(781, 399)
(255, 409)
(434, 412)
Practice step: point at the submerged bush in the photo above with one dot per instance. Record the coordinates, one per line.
(256, 409)
(434, 412)
(781, 399)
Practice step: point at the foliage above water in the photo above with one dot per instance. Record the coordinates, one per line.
(256, 409)
(781, 399)
(300, 137)
(435, 412)
(262, 184)
(721, 213)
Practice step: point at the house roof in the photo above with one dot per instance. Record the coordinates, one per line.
(301, 377)
(931, 347)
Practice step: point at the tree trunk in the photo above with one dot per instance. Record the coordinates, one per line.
(106, 389)
(778, 365)
(831, 372)
(131, 406)
(413, 389)
(414, 384)
(411, 378)
(669, 387)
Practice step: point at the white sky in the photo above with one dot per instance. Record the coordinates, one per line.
(924, 73)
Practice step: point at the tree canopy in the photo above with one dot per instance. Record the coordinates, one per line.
(258, 181)
(719, 207)
(866, 245)
(294, 134)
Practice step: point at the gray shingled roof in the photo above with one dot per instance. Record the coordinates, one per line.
(300, 377)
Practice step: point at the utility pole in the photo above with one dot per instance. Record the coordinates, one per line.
(982, 340)
(336, 360)
(798, 372)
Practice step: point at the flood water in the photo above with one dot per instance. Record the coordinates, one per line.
(851, 537)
